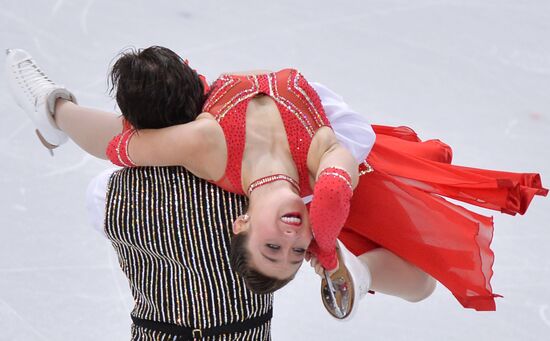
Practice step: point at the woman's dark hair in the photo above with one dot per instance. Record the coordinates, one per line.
(155, 88)
(254, 280)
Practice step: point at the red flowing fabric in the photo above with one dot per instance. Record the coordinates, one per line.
(400, 206)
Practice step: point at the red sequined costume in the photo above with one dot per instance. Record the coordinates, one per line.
(300, 108)
(398, 203)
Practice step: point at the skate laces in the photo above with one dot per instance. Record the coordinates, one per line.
(36, 82)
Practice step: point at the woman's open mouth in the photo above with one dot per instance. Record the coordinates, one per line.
(294, 219)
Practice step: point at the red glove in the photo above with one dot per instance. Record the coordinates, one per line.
(328, 213)
(117, 150)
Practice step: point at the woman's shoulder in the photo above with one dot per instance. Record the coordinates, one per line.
(206, 123)
(210, 129)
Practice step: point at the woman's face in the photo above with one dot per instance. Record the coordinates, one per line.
(278, 234)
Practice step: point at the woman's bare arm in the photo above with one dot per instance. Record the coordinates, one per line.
(90, 129)
(194, 145)
(326, 152)
(339, 157)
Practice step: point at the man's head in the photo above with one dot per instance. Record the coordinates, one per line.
(155, 88)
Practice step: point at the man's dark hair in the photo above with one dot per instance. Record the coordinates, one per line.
(155, 88)
(255, 280)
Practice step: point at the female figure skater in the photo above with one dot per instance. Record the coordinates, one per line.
(169, 92)
(267, 135)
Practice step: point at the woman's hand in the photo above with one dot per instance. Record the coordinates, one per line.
(316, 265)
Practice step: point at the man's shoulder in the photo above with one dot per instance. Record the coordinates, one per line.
(149, 174)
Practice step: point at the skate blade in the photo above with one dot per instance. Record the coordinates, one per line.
(339, 295)
(45, 143)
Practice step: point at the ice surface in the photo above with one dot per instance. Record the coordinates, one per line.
(475, 73)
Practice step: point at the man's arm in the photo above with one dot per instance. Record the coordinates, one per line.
(96, 196)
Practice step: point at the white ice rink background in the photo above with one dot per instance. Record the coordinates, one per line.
(474, 73)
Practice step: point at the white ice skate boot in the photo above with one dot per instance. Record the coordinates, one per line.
(342, 290)
(35, 93)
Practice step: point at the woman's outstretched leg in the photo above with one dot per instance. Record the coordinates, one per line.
(53, 109)
(394, 276)
(91, 129)
(378, 270)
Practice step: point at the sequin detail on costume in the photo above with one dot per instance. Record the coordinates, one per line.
(117, 149)
(171, 232)
(270, 179)
(298, 103)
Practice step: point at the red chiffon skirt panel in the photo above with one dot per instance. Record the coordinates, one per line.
(400, 206)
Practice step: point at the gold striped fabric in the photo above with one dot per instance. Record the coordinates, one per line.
(171, 231)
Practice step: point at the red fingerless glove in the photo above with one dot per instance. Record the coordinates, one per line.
(117, 150)
(328, 213)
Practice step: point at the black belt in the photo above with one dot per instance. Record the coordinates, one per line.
(188, 333)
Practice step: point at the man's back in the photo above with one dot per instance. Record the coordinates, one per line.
(171, 232)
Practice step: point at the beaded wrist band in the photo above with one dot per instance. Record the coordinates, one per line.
(122, 149)
(117, 150)
(337, 172)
